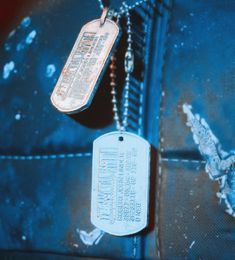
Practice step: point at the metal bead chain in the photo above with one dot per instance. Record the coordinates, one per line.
(113, 84)
(101, 4)
(136, 4)
(121, 10)
(129, 67)
(129, 64)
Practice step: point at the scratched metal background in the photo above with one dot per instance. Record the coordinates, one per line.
(189, 55)
(199, 70)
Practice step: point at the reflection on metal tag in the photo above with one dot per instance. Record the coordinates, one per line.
(120, 183)
(83, 70)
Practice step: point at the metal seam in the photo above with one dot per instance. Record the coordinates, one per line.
(140, 126)
(161, 149)
(158, 206)
(182, 160)
(43, 157)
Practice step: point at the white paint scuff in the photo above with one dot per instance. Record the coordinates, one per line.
(50, 70)
(12, 33)
(7, 46)
(192, 244)
(7, 69)
(220, 165)
(91, 238)
(29, 39)
(17, 116)
(26, 22)
(20, 46)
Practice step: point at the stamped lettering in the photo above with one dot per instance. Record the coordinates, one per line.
(83, 70)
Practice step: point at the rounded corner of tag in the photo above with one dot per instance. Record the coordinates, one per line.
(53, 102)
(51, 99)
(94, 223)
(149, 145)
(94, 143)
(100, 138)
(87, 24)
(141, 227)
(114, 23)
(146, 143)
(125, 232)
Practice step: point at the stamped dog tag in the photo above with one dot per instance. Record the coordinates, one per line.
(83, 70)
(120, 183)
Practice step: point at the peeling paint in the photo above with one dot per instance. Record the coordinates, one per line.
(50, 70)
(20, 46)
(91, 238)
(11, 34)
(29, 39)
(18, 116)
(219, 164)
(7, 46)
(26, 22)
(183, 28)
(7, 69)
(192, 244)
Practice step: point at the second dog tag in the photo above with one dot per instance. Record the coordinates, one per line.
(120, 183)
(83, 70)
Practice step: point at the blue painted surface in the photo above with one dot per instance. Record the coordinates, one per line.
(199, 72)
(44, 202)
(219, 163)
(45, 155)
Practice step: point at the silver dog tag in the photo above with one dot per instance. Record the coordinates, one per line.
(83, 70)
(120, 183)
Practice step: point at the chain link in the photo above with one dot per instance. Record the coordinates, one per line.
(123, 10)
(101, 4)
(122, 121)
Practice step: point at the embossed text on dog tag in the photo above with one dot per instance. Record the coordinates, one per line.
(83, 70)
(120, 183)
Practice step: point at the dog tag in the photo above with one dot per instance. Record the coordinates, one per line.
(83, 70)
(120, 183)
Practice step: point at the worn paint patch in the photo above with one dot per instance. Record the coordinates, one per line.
(29, 39)
(21, 30)
(50, 70)
(91, 238)
(192, 244)
(20, 46)
(7, 69)
(23, 238)
(11, 34)
(219, 164)
(17, 116)
(26, 22)
(7, 46)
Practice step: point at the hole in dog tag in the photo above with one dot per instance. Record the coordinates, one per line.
(120, 183)
(84, 68)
